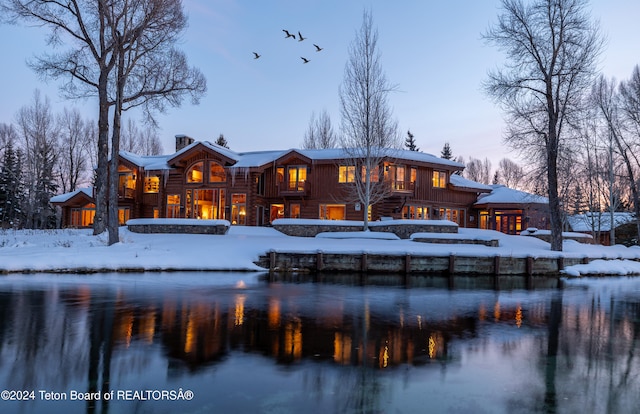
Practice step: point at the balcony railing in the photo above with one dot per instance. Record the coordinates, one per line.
(127, 193)
(299, 188)
(402, 187)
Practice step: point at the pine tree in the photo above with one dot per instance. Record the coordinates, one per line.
(222, 141)
(410, 142)
(11, 188)
(446, 152)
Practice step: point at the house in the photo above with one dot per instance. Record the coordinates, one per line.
(206, 181)
(511, 211)
(598, 225)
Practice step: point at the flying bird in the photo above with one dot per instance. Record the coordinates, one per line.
(300, 38)
(305, 60)
(318, 48)
(288, 34)
(256, 55)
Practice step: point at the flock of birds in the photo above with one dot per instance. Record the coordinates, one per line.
(293, 36)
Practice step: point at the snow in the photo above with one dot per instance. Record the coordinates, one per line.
(371, 235)
(67, 196)
(78, 250)
(504, 195)
(461, 182)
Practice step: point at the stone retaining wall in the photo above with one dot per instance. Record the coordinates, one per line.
(178, 226)
(401, 228)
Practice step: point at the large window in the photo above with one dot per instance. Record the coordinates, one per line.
(296, 177)
(439, 179)
(83, 217)
(194, 174)
(206, 204)
(332, 211)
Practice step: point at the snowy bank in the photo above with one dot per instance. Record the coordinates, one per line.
(79, 251)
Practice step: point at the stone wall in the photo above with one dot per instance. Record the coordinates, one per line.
(401, 228)
(178, 226)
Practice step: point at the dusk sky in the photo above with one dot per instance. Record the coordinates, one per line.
(433, 52)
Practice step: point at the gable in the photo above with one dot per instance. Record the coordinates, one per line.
(201, 151)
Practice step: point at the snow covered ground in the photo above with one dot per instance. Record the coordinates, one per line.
(78, 250)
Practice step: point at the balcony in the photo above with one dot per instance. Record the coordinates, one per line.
(127, 193)
(401, 187)
(294, 189)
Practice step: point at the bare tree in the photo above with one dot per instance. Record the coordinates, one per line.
(320, 132)
(149, 72)
(75, 138)
(478, 170)
(368, 129)
(552, 47)
(39, 134)
(511, 173)
(140, 141)
(122, 52)
(628, 148)
(81, 26)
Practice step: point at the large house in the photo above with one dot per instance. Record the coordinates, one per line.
(206, 181)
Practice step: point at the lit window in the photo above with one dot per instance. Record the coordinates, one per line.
(194, 174)
(173, 205)
(297, 177)
(346, 173)
(439, 179)
(332, 211)
(151, 184)
(216, 173)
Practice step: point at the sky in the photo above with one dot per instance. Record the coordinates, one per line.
(432, 51)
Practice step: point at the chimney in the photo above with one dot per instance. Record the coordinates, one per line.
(183, 141)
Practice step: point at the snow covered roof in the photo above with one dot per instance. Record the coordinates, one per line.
(61, 198)
(148, 162)
(595, 221)
(504, 195)
(461, 182)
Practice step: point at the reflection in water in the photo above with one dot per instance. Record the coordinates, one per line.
(339, 346)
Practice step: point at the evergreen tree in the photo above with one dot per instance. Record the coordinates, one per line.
(446, 152)
(410, 142)
(496, 178)
(11, 188)
(222, 141)
(46, 187)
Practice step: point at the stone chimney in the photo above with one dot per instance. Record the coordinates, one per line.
(183, 141)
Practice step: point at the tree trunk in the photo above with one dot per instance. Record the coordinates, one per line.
(113, 223)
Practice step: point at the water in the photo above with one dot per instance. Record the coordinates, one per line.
(239, 343)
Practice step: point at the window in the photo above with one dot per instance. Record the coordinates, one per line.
(332, 211)
(452, 214)
(276, 211)
(439, 179)
(413, 176)
(194, 174)
(206, 204)
(123, 215)
(396, 175)
(375, 174)
(294, 210)
(260, 184)
(279, 175)
(83, 217)
(239, 209)
(346, 174)
(173, 205)
(296, 177)
(152, 184)
(415, 212)
(216, 173)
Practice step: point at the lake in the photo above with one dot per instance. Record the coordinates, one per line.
(245, 343)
